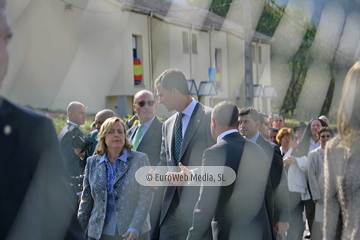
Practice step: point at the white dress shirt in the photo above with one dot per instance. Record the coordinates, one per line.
(221, 136)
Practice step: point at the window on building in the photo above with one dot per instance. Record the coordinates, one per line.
(137, 59)
(259, 54)
(194, 43)
(185, 37)
(218, 66)
(253, 53)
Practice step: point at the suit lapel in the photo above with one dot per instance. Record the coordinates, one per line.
(101, 172)
(132, 131)
(123, 168)
(170, 134)
(259, 140)
(149, 133)
(195, 121)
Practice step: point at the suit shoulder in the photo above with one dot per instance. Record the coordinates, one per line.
(253, 147)
(158, 121)
(92, 159)
(92, 134)
(25, 113)
(207, 110)
(140, 157)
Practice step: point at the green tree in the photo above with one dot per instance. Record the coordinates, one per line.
(270, 19)
(299, 65)
(220, 7)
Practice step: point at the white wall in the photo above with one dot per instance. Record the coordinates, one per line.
(59, 56)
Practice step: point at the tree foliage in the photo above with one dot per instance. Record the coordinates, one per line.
(299, 65)
(270, 19)
(220, 7)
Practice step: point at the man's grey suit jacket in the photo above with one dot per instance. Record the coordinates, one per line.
(151, 145)
(276, 195)
(151, 141)
(197, 138)
(238, 211)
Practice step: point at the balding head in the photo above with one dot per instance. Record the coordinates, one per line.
(101, 116)
(223, 118)
(142, 93)
(325, 119)
(144, 105)
(76, 113)
(225, 114)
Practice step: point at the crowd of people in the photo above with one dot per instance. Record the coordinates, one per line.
(83, 186)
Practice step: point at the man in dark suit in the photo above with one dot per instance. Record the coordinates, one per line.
(185, 136)
(76, 117)
(245, 196)
(35, 200)
(276, 196)
(146, 138)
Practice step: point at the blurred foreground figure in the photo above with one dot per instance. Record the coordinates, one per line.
(342, 166)
(316, 180)
(36, 200)
(238, 211)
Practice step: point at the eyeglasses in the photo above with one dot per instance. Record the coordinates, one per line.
(266, 123)
(324, 136)
(142, 103)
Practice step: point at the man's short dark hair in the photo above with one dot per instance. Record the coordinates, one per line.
(254, 114)
(325, 129)
(273, 130)
(225, 114)
(173, 78)
(262, 116)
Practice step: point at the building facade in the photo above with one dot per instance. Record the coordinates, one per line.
(102, 52)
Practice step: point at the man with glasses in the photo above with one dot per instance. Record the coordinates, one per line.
(315, 165)
(146, 137)
(264, 125)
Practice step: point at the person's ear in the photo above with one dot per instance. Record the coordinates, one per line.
(258, 124)
(213, 123)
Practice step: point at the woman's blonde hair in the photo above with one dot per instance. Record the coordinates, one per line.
(349, 109)
(282, 132)
(101, 147)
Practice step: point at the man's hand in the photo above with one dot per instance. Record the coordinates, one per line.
(129, 236)
(182, 176)
(289, 160)
(79, 153)
(281, 227)
(79, 198)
